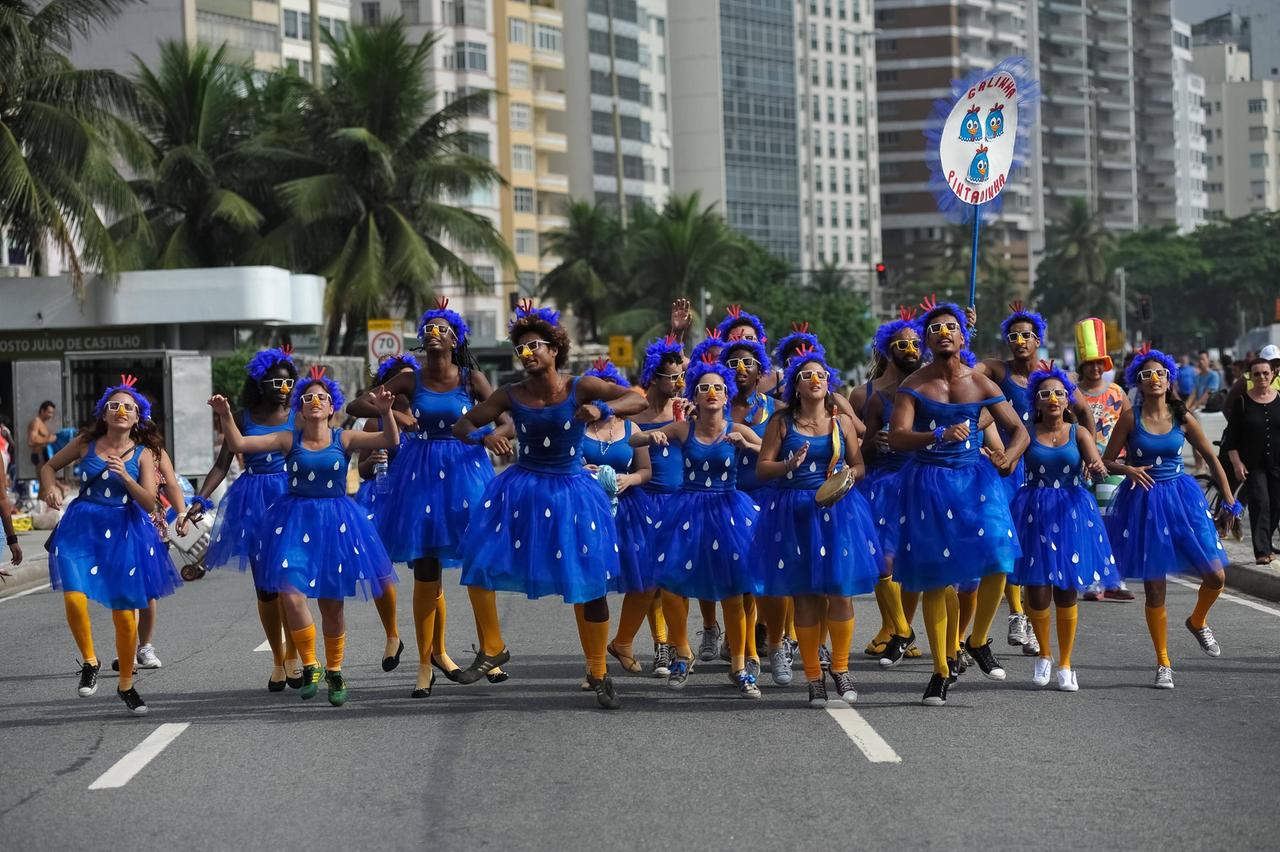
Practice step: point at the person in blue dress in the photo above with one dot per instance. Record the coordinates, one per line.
(821, 556)
(315, 541)
(543, 526)
(1065, 548)
(703, 538)
(264, 410)
(435, 482)
(105, 547)
(954, 522)
(1160, 523)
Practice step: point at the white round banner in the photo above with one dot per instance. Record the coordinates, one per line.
(978, 139)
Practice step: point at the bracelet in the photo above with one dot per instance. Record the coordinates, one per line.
(11, 540)
(937, 434)
(205, 504)
(605, 411)
(1236, 509)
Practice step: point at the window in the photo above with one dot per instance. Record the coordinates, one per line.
(817, 178)
(844, 42)
(848, 180)
(813, 36)
(468, 13)
(848, 214)
(526, 241)
(470, 56)
(526, 282)
(645, 58)
(477, 145)
(831, 110)
(1258, 161)
(817, 208)
(1257, 134)
(290, 24)
(831, 178)
(410, 12)
(822, 249)
(340, 31)
(371, 14)
(304, 26)
(523, 199)
(844, 146)
(844, 111)
(831, 145)
(485, 325)
(817, 108)
(831, 74)
(517, 74)
(521, 117)
(517, 31)
(292, 65)
(1257, 105)
(827, 39)
(522, 158)
(861, 114)
(547, 38)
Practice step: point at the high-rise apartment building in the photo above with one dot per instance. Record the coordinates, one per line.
(1242, 131)
(1252, 25)
(1187, 192)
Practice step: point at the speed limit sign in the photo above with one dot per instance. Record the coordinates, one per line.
(385, 341)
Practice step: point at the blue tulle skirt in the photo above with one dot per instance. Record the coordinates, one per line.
(322, 547)
(433, 486)
(1165, 530)
(1013, 483)
(880, 488)
(110, 554)
(805, 549)
(954, 526)
(634, 522)
(1064, 542)
(702, 546)
(542, 534)
(234, 536)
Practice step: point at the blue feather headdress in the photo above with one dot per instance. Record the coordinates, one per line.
(704, 367)
(441, 311)
(393, 365)
(526, 310)
(805, 356)
(799, 336)
(713, 340)
(1021, 314)
(886, 333)
(655, 352)
(317, 376)
(737, 316)
(931, 307)
(1142, 356)
(261, 364)
(603, 368)
(126, 386)
(756, 349)
(1047, 370)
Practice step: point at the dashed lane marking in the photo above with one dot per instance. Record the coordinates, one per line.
(858, 729)
(143, 753)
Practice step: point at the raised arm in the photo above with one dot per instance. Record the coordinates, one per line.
(402, 382)
(389, 437)
(235, 442)
(844, 407)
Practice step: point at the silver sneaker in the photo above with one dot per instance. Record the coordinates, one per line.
(780, 667)
(1164, 677)
(1018, 630)
(709, 643)
(147, 658)
(753, 668)
(1032, 648)
(1205, 637)
(824, 657)
(747, 685)
(661, 660)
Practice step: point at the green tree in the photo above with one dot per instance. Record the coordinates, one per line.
(588, 278)
(1170, 269)
(59, 133)
(996, 285)
(1074, 279)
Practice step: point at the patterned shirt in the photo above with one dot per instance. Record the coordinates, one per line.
(1106, 408)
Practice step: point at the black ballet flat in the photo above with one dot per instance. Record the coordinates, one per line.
(277, 685)
(497, 677)
(483, 665)
(293, 682)
(424, 693)
(454, 674)
(389, 664)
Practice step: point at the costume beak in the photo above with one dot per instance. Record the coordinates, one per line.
(526, 352)
(913, 348)
(435, 331)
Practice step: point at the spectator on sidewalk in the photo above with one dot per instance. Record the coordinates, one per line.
(1271, 353)
(1252, 443)
(1208, 381)
(1186, 377)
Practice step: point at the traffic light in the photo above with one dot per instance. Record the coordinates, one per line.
(882, 274)
(1144, 308)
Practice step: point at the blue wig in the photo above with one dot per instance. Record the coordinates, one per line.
(886, 333)
(455, 320)
(1020, 314)
(317, 376)
(393, 365)
(605, 369)
(1144, 355)
(261, 364)
(801, 358)
(655, 352)
(703, 368)
(526, 310)
(1047, 370)
(713, 340)
(126, 386)
(737, 316)
(800, 336)
(933, 308)
(757, 351)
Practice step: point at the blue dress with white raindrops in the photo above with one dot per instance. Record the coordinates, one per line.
(543, 526)
(1019, 397)
(105, 546)
(634, 518)
(880, 485)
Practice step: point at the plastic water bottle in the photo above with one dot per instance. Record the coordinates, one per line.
(381, 484)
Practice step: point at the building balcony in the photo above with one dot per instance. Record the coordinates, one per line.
(546, 99)
(556, 143)
(552, 182)
(545, 13)
(552, 222)
(547, 59)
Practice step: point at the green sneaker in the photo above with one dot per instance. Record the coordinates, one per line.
(337, 688)
(310, 682)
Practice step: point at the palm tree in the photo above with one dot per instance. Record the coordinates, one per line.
(372, 208)
(195, 114)
(1074, 275)
(589, 275)
(60, 131)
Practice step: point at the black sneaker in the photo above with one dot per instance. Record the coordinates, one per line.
(661, 659)
(133, 701)
(986, 660)
(845, 689)
(818, 693)
(606, 697)
(955, 669)
(935, 695)
(88, 679)
(895, 649)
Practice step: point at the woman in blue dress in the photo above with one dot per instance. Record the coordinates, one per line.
(1064, 545)
(315, 541)
(954, 521)
(821, 556)
(264, 410)
(543, 526)
(436, 481)
(105, 548)
(1160, 523)
(703, 538)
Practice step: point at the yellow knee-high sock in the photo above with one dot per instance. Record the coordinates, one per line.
(887, 623)
(386, 607)
(935, 626)
(273, 628)
(657, 620)
(290, 647)
(953, 622)
(735, 631)
(889, 599)
(841, 639)
(305, 640)
(1204, 600)
(967, 602)
(334, 648)
(910, 603)
(77, 607)
(990, 591)
(594, 636)
(1067, 617)
(1158, 627)
(789, 628)
(635, 606)
(749, 610)
(126, 622)
(708, 609)
(1039, 619)
(809, 638)
(426, 602)
(675, 610)
(484, 605)
(1013, 594)
(773, 612)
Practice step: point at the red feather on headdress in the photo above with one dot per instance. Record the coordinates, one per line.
(128, 380)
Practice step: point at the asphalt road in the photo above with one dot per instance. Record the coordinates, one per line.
(532, 764)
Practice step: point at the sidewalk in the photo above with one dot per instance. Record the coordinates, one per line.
(34, 570)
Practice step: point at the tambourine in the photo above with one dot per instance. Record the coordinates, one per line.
(836, 486)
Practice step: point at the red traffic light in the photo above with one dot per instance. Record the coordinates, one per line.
(880, 267)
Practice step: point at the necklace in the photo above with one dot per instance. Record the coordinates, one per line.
(606, 444)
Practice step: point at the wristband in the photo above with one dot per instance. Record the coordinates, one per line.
(205, 504)
(476, 437)
(11, 540)
(1236, 509)
(605, 411)
(937, 434)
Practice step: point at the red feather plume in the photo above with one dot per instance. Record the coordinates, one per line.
(442, 303)
(928, 303)
(600, 363)
(1015, 306)
(735, 311)
(316, 373)
(906, 314)
(128, 380)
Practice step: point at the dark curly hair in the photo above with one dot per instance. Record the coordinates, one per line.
(554, 334)
(251, 391)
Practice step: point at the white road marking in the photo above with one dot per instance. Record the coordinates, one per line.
(265, 646)
(1228, 596)
(24, 593)
(143, 753)
(863, 735)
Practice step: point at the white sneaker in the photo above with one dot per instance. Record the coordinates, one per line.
(1164, 677)
(147, 658)
(1067, 680)
(1044, 667)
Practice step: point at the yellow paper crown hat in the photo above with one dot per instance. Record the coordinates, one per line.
(1091, 342)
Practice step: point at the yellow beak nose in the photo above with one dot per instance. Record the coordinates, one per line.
(913, 349)
(525, 352)
(741, 369)
(315, 405)
(435, 331)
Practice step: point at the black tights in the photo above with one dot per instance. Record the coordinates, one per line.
(426, 570)
(596, 611)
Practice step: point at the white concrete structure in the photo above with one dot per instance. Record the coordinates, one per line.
(1242, 130)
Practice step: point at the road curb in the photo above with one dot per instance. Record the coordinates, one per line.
(26, 576)
(1253, 580)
